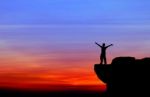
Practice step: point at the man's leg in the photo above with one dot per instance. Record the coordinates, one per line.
(101, 59)
(105, 60)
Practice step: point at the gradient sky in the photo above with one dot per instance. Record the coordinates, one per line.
(49, 43)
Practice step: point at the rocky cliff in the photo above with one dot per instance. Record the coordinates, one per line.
(125, 76)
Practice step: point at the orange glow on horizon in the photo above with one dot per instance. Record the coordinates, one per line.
(22, 70)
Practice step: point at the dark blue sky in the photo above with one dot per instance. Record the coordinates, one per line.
(74, 12)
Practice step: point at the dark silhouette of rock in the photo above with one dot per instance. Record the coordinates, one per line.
(125, 76)
(123, 61)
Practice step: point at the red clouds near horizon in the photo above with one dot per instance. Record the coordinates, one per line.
(48, 71)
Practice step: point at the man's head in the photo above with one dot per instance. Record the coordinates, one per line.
(103, 44)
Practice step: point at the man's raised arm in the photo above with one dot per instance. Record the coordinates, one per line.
(109, 45)
(98, 44)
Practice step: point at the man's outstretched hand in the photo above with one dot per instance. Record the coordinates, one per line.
(96, 43)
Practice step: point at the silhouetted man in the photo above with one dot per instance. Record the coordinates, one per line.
(103, 52)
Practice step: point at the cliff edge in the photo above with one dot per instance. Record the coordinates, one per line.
(125, 76)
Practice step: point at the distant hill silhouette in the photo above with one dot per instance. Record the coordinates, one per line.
(126, 76)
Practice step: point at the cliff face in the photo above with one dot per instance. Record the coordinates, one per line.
(125, 76)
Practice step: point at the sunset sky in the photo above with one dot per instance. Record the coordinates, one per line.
(49, 44)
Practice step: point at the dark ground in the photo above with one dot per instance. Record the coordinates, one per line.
(17, 93)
